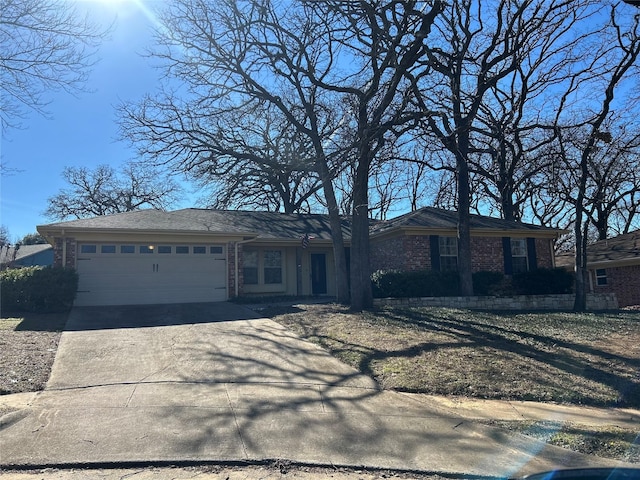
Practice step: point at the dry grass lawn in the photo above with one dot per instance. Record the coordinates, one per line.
(28, 345)
(591, 358)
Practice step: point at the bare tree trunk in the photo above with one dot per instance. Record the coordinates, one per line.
(361, 293)
(580, 302)
(339, 255)
(464, 220)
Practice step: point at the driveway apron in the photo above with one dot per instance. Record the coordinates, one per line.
(213, 382)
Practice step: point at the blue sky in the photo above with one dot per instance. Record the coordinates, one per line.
(81, 129)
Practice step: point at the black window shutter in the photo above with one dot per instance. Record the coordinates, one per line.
(434, 244)
(506, 252)
(531, 253)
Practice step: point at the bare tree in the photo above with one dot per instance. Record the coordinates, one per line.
(612, 188)
(580, 142)
(234, 58)
(385, 41)
(104, 191)
(487, 52)
(256, 160)
(45, 45)
(333, 70)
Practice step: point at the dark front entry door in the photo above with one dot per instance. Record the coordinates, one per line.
(318, 274)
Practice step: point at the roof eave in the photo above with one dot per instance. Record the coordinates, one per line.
(622, 262)
(477, 232)
(58, 230)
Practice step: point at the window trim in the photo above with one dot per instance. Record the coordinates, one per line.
(272, 268)
(261, 271)
(246, 254)
(523, 255)
(445, 246)
(601, 274)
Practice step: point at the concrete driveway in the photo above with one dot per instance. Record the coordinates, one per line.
(212, 382)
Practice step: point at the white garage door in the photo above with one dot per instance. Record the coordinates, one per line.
(135, 274)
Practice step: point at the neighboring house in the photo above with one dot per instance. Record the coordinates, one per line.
(197, 255)
(614, 267)
(26, 256)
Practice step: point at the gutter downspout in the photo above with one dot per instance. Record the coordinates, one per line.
(237, 282)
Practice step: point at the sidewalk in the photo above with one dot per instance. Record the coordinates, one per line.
(478, 409)
(474, 409)
(235, 423)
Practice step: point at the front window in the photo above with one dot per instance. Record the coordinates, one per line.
(250, 267)
(272, 266)
(448, 253)
(519, 255)
(262, 267)
(601, 277)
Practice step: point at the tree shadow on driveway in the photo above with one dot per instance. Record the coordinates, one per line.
(137, 316)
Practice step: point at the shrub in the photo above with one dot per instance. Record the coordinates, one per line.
(38, 289)
(426, 283)
(487, 283)
(543, 281)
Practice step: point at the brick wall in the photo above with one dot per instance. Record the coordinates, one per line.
(413, 252)
(624, 282)
(231, 269)
(486, 254)
(544, 252)
(403, 252)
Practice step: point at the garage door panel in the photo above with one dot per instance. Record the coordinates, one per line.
(108, 279)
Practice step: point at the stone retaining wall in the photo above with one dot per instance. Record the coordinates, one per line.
(600, 301)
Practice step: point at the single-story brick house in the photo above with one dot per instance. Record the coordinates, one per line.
(614, 267)
(202, 255)
(26, 256)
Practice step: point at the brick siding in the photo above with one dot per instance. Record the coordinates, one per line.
(231, 269)
(406, 252)
(544, 252)
(413, 252)
(486, 254)
(624, 282)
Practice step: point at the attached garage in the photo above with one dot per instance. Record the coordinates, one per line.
(150, 273)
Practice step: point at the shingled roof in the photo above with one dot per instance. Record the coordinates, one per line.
(437, 218)
(275, 225)
(8, 254)
(264, 225)
(623, 249)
